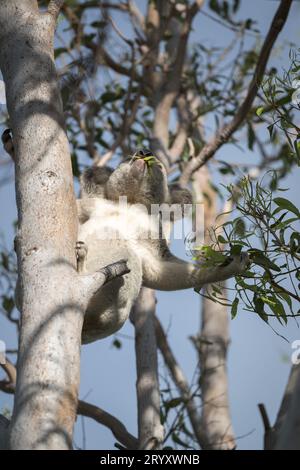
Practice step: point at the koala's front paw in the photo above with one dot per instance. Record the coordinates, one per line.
(81, 255)
(239, 263)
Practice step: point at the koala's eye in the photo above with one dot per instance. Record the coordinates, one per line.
(147, 153)
(143, 153)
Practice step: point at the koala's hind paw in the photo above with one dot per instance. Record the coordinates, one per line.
(81, 255)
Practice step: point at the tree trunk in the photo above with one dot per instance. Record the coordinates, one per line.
(49, 347)
(213, 345)
(285, 435)
(151, 432)
(4, 423)
(212, 341)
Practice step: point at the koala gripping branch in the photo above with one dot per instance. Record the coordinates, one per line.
(91, 283)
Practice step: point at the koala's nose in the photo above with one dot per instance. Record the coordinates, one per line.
(138, 167)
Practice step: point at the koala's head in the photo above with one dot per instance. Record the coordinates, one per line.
(142, 179)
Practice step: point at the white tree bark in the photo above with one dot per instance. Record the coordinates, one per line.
(52, 295)
(285, 435)
(48, 364)
(150, 430)
(213, 345)
(212, 342)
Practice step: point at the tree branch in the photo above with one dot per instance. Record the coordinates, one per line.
(180, 382)
(54, 8)
(8, 385)
(285, 435)
(106, 419)
(136, 14)
(91, 283)
(84, 409)
(151, 432)
(209, 150)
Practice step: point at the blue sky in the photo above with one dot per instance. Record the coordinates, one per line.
(258, 360)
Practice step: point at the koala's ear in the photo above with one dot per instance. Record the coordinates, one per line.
(179, 195)
(93, 181)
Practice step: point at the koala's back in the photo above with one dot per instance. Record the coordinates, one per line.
(110, 307)
(105, 235)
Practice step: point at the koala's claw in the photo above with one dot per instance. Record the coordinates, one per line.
(81, 255)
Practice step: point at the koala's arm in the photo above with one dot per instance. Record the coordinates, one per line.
(84, 209)
(170, 273)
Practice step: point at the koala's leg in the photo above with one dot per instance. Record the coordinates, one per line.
(176, 274)
(81, 256)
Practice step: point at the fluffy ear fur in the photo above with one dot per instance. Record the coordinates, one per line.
(93, 181)
(179, 195)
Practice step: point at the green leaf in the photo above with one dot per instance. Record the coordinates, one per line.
(246, 286)
(287, 299)
(259, 308)
(278, 309)
(75, 166)
(260, 111)
(297, 149)
(287, 205)
(236, 5)
(236, 249)
(271, 129)
(117, 343)
(212, 256)
(59, 50)
(258, 257)
(4, 261)
(110, 96)
(234, 307)
(251, 137)
(221, 239)
(173, 403)
(286, 223)
(177, 440)
(294, 243)
(239, 227)
(8, 304)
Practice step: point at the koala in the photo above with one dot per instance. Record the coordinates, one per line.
(110, 231)
(116, 222)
